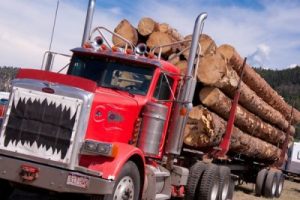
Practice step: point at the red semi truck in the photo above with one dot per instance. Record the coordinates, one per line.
(112, 129)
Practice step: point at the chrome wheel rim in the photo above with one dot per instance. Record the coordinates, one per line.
(214, 191)
(225, 190)
(124, 189)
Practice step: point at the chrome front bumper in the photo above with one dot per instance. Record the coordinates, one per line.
(52, 178)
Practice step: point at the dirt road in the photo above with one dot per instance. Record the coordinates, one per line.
(291, 191)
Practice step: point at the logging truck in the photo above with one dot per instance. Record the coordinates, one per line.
(113, 127)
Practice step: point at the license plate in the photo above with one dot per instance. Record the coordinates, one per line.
(78, 180)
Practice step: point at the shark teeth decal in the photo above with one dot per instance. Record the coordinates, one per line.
(41, 125)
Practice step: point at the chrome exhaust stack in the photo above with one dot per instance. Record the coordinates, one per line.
(186, 94)
(88, 21)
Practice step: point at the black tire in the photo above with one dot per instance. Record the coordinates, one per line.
(280, 183)
(270, 184)
(195, 174)
(5, 190)
(209, 184)
(231, 189)
(260, 181)
(224, 174)
(128, 182)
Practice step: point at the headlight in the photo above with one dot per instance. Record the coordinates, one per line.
(90, 147)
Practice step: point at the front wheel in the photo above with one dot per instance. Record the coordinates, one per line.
(127, 185)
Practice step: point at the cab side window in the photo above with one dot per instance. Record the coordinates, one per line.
(163, 88)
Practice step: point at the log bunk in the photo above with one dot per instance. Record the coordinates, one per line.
(262, 116)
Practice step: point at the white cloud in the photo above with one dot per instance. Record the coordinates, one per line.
(258, 58)
(26, 26)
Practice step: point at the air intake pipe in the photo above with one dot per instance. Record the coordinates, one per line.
(186, 94)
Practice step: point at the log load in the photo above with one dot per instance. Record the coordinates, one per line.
(208, 45)
(214, 99)
(126, 30)
(258, 84)
(205, 129)
(147, 26)
(213, 71)
(159, 38)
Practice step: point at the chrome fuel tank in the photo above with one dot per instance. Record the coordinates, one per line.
(154, 119)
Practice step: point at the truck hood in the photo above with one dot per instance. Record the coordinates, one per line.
(112, 116)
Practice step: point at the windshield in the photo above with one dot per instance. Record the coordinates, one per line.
(112, 73)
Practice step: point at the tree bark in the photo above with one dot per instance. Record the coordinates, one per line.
(258, 84)
(214, 99)
(126, 30)
(213, 71)
(147, 26)
(205, 129)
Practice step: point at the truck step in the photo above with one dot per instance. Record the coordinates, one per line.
(162, 197)
(162, 174)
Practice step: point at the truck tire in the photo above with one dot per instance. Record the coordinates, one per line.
(224, 174)
(231, 189)
(280, 183)
(209, 184)
(5, 189)
(127, 186)
(260, 181)
(195, 174)
(270, 184)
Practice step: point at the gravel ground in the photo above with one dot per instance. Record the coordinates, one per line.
(291, 191)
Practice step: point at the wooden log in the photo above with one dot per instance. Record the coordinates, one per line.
(174, 59)
(182, 65)
(213, 71)
(163, 27)
(157, 39)
(205, 129)
(214, 99)
(208, 45)
(146, 26)
(126, 30)
(258, 84)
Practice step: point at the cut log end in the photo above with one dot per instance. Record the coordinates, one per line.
(211, 69)
(158, 39)
(146, 26)
(182, 65)
(209, 96)
(126, 30)
(226, 51)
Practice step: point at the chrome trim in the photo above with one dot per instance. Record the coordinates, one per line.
(68, 91)
(52, 178)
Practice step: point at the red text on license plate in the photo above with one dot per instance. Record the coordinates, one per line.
(78, 180)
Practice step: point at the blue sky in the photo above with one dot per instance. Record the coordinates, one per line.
(265, 31)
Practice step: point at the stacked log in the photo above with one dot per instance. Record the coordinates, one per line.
(213, 71)
(258, 84)
(205, 129)
(214, 99)
(262, 117)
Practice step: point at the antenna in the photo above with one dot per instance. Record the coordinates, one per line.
(54, 23)
(49, 60)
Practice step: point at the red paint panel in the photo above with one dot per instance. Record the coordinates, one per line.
(110, 167)
(52, 77)
(112, 116)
